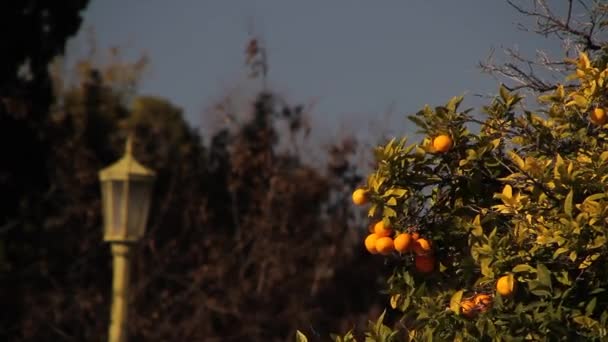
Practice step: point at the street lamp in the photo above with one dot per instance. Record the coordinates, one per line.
(126, 191)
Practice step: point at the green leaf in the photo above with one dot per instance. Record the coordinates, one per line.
(546, 98)
(521, 164)
(418, 121)
(523, 268)
(504, 93)
(395, 300)
(595, 197)
(419, 152)
(454, 103)
(486, 270)
(477, 228)
(455, 301)
(588, 261)
(377, 182)
(388, 212)
(590, 306)
(559, 165)
(538, 289)
(564, 278)
(408, 279)
(300, 337)
(585, 321)
(496, 143)
(579, 101)
(559, 252)
(544, 275)
(379, 324)
(599, 241)
(372, 210)
(568, 204)
(398, 192)
(388, 148)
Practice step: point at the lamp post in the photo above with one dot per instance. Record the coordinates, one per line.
(126, 191)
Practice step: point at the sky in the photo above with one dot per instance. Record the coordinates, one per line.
(363, 65)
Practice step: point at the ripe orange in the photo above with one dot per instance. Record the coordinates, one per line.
(403, 242)
(483, 302)
(370, 243)
(360, 197)
(422, 246)
(382, 229)
(506, 285)
(482, 299)
(442, 143)
(424, 263)
(598, 116)
(415, 236)
(467, 308)
(385, 245)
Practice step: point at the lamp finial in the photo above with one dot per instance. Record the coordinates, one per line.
(129, 144)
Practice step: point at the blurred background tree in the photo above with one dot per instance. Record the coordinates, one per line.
(32, 34)
(246, 241)
(26, 92)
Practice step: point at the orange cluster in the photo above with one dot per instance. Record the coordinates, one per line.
(383, 240)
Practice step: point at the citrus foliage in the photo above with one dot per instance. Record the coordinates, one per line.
(517, 217)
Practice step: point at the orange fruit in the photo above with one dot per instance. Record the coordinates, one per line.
(598, 116)
(403, 242)
(382, 229)
(483, 302)
(424, 263)
(506, 285)
(385, 245)
(482, 299)
(422, 246)
(370, 243)
(442, 143)
(360, 197)
(415, 236)
(467, 308)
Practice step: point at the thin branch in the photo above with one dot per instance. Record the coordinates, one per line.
(551, 24)
(521, 71)
(569, 13)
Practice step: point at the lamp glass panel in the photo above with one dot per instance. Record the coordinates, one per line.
(106, 202)
(139, 205)
(118, 196)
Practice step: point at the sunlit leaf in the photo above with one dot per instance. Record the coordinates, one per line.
(455, 301)
(300, 337)
(568, 203)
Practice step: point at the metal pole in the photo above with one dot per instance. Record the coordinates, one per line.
(121, 255)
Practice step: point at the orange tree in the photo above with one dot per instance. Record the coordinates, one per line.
(501, 234)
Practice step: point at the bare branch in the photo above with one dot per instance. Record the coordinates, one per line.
(549, 23)
(569, 13)
(575, 35)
